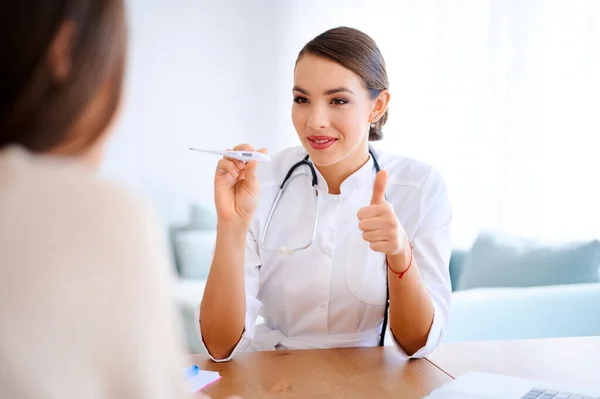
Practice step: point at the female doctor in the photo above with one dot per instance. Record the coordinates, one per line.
(382, 231)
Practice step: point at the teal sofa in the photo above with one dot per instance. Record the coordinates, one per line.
(511, 288)
(519, 313)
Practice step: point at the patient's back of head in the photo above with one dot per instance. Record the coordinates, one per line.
(83, 270)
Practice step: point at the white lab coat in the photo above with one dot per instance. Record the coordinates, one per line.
(333, 293)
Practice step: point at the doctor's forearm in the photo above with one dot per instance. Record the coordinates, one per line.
(411, 307)
(223, 308)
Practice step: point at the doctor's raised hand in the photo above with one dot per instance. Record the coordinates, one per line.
(223, 307)
(236, 189)
(379, 223)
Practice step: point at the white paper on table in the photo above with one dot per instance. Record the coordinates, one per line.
(202, 380)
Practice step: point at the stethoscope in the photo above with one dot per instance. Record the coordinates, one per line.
(288, 177)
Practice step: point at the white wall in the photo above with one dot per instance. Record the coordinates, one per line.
(500, 95)
(200, 74)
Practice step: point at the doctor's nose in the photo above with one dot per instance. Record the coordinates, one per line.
(318, 119)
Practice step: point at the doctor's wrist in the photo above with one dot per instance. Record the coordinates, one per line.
(400, 262)
(232, 227)
(230, 237)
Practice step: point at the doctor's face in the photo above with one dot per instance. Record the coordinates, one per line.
(331, 110)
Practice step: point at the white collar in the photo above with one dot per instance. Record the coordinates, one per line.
(364, 175)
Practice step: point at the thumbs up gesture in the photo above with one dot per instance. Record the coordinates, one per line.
(379, 223)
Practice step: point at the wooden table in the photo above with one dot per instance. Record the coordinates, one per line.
(561, 360)
(324, 373)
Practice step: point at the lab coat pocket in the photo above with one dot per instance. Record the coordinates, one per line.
(366, 272)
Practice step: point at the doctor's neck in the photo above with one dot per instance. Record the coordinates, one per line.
(338, 172)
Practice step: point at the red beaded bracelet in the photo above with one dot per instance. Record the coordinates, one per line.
(401, 274)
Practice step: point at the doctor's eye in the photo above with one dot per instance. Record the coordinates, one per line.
(300, 100)
(339, 101)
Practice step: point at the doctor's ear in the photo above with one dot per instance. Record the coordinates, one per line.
(379, 115)
(380, 105)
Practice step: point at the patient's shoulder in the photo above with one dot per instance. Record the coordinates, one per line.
(47, 200)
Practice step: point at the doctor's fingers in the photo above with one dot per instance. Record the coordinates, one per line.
(228, 166)
(243, 147)
(381, 246)
(377, 222)
(383, 208)
(380, 235)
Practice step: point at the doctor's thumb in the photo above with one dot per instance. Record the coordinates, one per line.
(252, 165)
(379, 187)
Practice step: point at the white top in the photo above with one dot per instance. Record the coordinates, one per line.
(333, 293)
(85, 300)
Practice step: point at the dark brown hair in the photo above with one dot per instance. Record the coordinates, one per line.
(356, 51)
(36, 110)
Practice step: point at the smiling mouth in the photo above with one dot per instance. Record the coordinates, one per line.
(321, 142)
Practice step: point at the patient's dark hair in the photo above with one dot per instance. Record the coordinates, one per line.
(37, 110)
(356, 51)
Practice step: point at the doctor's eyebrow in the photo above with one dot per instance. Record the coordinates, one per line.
(327, 92)
(338, 90)
(296, 88)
